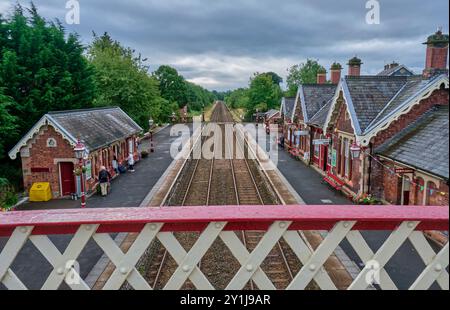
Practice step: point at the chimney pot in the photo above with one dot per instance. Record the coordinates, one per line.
(354, 66)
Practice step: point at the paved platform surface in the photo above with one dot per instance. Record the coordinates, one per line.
(404, 267)
(129, 190)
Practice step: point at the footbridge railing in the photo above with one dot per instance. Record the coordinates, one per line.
(287, 224)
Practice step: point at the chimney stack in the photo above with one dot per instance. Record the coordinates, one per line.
(393, 65)
(354, 66)
(437, 51)
(321, 76)
(336, 70)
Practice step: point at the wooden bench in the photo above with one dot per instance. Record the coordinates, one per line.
(334, 181)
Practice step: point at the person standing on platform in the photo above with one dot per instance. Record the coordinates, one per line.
(104, 177)
(115, 165)
(131, 163)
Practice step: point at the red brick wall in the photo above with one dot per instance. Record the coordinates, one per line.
(354, 70)
(385, 185)
(440, 96)
(436, 57)
(335, 76)
(42, 156)
(321, 78)
(388, 186)
(436, 198)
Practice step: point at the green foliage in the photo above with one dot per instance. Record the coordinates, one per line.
(172, 85)
(305, 73)
(122, 80)
(264, 93)
(177, 90)
(8, 127)
(42, 69)
(8, 196)
(238, 98)
(198, 97)
(263, 90)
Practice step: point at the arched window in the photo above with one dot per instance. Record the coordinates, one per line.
(420, 191)
(431, 193)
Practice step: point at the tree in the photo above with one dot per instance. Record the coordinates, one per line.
(238, 99)
(305, 73)
(263, 91)
(122, 80)
(276, 79)
(198, 97)
(172, 85)
(8, 127)
(42, 69)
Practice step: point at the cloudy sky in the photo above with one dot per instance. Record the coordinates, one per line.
(220, 43)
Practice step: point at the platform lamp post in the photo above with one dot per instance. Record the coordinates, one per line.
(355, 149)
(151, 122)
(80, 151)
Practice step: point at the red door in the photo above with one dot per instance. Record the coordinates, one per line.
(67, 178)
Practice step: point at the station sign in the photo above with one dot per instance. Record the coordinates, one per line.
(404, 170)
(322, 142)
(301, 133)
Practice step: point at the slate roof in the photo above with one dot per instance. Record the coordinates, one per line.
(409, 89)
(396, 71)
(370, 95)
(424, 144)
(288, 107)
(315, 97)
(321, 117)
(271, 113)
(96, 127)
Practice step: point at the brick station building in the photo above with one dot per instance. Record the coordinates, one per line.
(420, 154)
(386, 117)
(369, 111)
(47, 150)
(312, 104)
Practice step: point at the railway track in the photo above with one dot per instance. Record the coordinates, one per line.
(224, 181)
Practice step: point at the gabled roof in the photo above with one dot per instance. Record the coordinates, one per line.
(313, 97)
(288, 107)
(271, 113)
(424, 144)
(401, 70)
(320, 118)
(95, 127)
(370, 94)
(374, 102)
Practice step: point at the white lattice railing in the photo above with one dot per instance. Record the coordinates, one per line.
(283, 222)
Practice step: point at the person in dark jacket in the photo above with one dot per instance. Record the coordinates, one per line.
(103, 177)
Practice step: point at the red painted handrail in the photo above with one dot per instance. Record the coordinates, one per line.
(309, 217)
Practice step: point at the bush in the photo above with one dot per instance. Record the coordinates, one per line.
(8, 196)
(367, 200)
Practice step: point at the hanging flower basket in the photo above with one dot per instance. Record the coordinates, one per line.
(79, 171)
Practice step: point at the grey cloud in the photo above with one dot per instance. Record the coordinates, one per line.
(258, 35)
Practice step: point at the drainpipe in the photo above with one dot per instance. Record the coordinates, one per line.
(369, 181)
